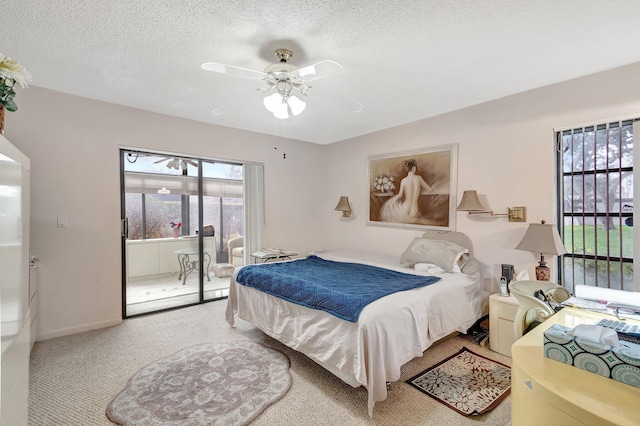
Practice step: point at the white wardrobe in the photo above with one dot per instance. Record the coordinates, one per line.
(15, 298)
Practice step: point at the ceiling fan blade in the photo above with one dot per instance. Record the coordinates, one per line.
(160, 160)
(238, 105)
(231, 70)
(193, 163)
(318, 70)
(221, 110)
(337, 101)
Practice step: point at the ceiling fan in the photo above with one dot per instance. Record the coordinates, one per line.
(177, 163)
(281, 82)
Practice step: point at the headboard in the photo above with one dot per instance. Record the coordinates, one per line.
(455, 237)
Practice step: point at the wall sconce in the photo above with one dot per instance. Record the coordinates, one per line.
(544, 239)
(344, 207)
(470, 203)
(164, 191)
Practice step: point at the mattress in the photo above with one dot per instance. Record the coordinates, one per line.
(389, 332)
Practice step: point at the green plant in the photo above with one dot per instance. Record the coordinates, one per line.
(11, 72)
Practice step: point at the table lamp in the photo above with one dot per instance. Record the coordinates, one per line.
(542, 238)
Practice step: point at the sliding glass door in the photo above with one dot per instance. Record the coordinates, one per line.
(178, 215)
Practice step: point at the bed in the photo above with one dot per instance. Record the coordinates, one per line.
(389, 331)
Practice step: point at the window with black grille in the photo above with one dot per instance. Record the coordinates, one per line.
(595, 196)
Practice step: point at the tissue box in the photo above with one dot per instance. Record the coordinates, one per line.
(223, 270)
(617, 363)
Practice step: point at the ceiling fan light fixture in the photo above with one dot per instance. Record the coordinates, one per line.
(296, 105)
(280, 71)
(275, 104)
(281, 80)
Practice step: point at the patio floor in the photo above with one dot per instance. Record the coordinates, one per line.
(163, 291)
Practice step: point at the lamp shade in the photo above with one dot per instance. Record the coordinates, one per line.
(542, 238)
(343, 206)
(296, 105)
(470, 202)
(282, 107)
(276, 105)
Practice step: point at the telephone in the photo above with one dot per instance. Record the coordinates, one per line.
(504, 290)
(507, 277)
(539, 294)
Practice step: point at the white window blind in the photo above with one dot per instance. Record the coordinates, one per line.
(149, 183)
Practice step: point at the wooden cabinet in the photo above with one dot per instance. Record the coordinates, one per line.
(502, 311)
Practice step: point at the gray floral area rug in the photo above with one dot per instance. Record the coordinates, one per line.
(209, 384)
(466, 382)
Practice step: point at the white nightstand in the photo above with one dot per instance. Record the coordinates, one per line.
(502, 311)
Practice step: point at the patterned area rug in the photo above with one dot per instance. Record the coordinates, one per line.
(210, 384)
(466, 382)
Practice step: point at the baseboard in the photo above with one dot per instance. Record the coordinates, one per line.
(77, 329)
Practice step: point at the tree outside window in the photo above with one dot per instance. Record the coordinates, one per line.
(596, 196)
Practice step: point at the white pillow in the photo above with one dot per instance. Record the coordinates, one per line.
(471, 267)
(461, 259)
(428, 267)
(445, 254)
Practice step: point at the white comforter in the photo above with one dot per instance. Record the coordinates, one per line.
(389, 332)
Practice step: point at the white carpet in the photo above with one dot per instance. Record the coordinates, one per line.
(74, 378)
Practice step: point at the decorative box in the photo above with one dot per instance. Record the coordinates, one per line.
(619, 363)
(223, 270)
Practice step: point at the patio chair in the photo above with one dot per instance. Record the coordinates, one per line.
(236, 250)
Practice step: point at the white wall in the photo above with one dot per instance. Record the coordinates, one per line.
(506, 153)
(73, 146)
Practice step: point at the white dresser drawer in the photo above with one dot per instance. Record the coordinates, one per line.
(507, 311)
(502, 311)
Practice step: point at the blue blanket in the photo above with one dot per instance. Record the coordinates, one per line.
(340, 288)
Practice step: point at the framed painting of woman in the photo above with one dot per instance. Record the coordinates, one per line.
(414, 189)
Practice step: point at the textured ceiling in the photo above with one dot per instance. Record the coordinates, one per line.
(403, 60)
